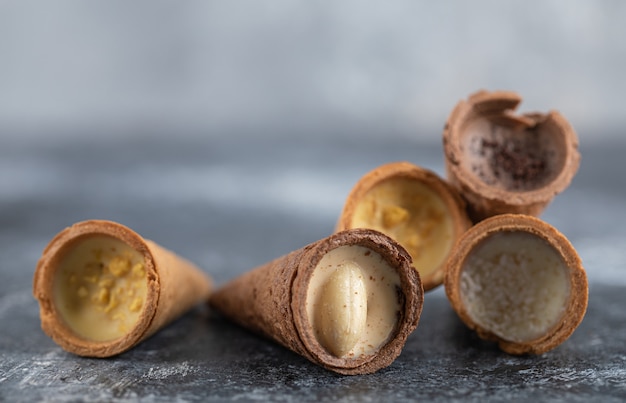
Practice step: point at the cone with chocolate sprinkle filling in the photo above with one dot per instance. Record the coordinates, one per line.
(502, 162)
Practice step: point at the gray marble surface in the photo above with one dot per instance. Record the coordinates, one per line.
(232, 205)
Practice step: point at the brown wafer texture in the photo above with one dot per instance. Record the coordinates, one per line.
(271, 300)
(503, 162)
(574, 304)
(174, 285)
(414, 206)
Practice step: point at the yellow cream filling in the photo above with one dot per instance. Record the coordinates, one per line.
(412, 214)
(100, 288)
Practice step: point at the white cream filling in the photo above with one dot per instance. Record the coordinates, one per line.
(515, 285)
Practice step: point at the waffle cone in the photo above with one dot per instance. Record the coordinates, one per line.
(271, 300)
(506, 163)
(575, 306)
(455, 207)
(174, 286)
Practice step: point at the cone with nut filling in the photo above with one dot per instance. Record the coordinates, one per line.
(414, 206)
(102, 288)
(347, 302)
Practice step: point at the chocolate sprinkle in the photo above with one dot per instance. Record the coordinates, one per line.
(519, 163)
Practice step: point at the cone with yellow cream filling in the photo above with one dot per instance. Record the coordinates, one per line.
(502, 162)
(415, 207)
(102, 288)
(347, 302)
(516, 280)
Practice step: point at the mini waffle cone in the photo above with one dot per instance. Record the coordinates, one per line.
(174, 286)
(271, 300)
(486, 199)
(449, 195)
(576, 306)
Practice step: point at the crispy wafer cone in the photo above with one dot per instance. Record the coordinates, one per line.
(174, 285)
(515, 290)
(424, 237)
(271, 300)
(506, 163)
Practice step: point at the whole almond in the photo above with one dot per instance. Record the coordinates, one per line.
(342, 313)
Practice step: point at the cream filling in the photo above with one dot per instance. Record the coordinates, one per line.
(515, 285)
(100, 287)
(346, 322)
(412, 214)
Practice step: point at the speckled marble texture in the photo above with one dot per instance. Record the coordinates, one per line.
(230, 206)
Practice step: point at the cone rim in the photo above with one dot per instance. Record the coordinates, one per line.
(412, 290)
(485, 103)
(577, 300)
(52, 321)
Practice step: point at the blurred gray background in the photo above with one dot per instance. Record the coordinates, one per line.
(297, 69)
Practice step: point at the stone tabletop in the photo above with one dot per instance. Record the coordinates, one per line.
(232, 205)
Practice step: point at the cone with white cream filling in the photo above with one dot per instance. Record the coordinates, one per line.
(516, 280)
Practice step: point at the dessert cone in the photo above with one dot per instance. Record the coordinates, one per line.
(166, 286)
(506, 163)
(272, 300)
(433, 214)
(518, 281)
